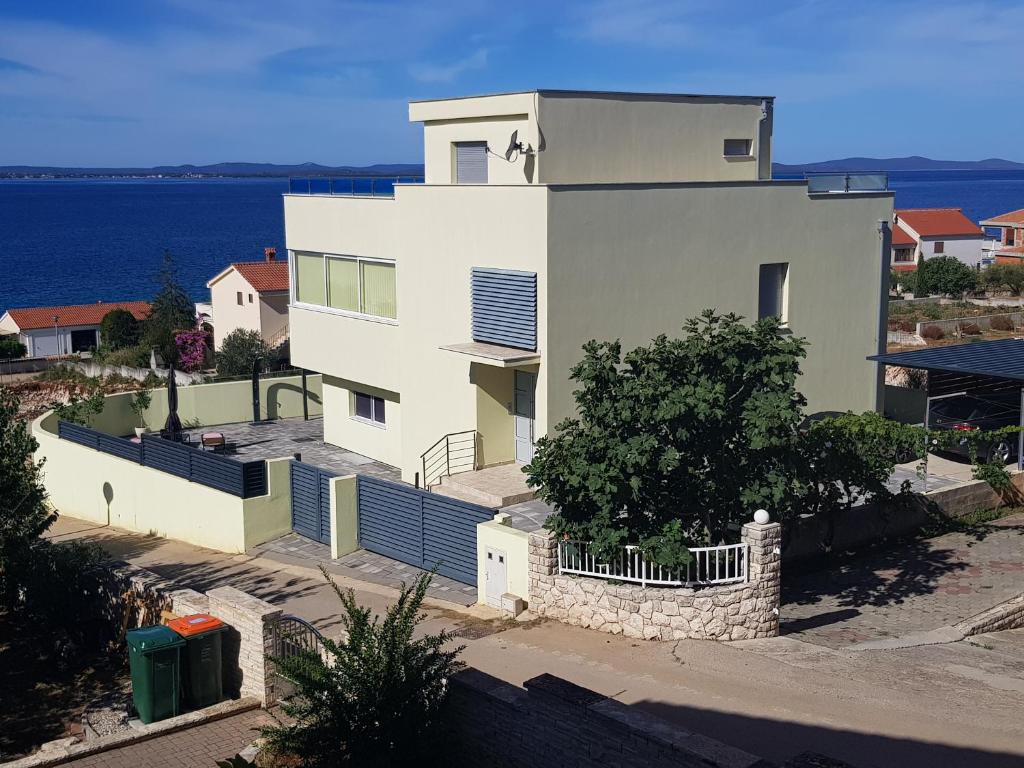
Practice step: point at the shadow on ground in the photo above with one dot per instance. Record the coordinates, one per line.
(780, 741)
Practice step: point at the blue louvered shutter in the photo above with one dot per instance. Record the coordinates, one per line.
(505, 307)
(471, 162)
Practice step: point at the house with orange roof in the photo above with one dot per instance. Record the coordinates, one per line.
(252, 295)
(64, 330)
(929, 232)
(1009, 248)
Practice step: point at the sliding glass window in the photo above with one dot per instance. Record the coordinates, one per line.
(347, 283)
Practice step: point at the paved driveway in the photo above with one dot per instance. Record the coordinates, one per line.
(915, 587)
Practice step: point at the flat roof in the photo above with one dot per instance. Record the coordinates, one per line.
(1001, 359)
(599, 94)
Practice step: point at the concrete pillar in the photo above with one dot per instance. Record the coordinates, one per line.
(543, 555)
(250, 641)
(765, 573)
(344, 516)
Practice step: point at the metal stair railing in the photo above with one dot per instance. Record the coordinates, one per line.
(453, 453)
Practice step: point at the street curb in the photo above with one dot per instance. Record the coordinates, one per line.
(62, 752)
(1006, 615)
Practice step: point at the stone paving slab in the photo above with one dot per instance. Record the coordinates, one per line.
(286, 437)
(202, 745)
(912, 588)
(364, 566)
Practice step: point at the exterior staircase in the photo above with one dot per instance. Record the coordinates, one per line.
(496, 487)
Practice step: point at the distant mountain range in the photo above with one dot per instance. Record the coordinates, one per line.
(271, 170)
(915, 163)
(215, 170)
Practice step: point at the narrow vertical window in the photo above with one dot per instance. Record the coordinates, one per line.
(309, 278)
(773, 284)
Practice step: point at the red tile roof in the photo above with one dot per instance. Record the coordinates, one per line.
(1013, 217)
(900, 236)
(264, 276)
(938, 222)
(29, 318)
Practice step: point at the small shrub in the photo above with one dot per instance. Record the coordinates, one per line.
(906, 326)
(120, 329)
(131, 357)
(1002, 323)
(932, 312)
(932, 332)
(970, 329)
(12, 349)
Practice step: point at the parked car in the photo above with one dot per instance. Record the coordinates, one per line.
(987, 412)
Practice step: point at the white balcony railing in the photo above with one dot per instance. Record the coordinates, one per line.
(726, 564)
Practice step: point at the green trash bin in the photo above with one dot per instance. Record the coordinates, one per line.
(201, 675)
(154, 658)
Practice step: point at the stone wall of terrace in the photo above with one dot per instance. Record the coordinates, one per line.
(740, 611)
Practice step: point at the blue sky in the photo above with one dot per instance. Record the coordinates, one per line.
(149, 82)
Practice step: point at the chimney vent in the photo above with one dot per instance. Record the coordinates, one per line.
(270, 253)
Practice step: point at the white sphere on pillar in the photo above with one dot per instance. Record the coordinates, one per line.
(761, 516)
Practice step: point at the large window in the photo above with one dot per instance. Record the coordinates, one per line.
(368, 408)
(773, 285)
(737, 147)
(347, 283)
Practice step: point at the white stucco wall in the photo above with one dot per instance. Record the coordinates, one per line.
(965, 249)
(228, 314)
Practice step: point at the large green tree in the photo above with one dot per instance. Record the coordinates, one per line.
(171, 310)
(119, 329)
(239, 350)
(676, 443)
(376, 697)
(946, 275)
(24, 512)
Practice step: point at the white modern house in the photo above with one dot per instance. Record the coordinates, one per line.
(445, 318)
(65, 330)
(929, 232)
(252, 295)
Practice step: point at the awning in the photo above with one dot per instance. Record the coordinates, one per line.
(1001, 359)
(494, 354)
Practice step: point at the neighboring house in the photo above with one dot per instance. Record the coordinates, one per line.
(929, 232)
(1009, 249)
(252, 295)
(461, 304)
(50, 331)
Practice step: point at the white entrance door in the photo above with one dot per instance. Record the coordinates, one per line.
(497, 577)
(525, 400)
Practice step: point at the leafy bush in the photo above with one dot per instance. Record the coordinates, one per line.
(120, 329)
(903, 280)
(239, 350)
(970, 329)
(932, 332)
(131, 357)
(379, 696)
(1004, 277)
(12, 349)
(906, 326)
(80, 408)
(192, 346)
(1002, 323)
(945, 275)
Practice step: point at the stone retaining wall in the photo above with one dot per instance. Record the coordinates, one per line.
(728, 612)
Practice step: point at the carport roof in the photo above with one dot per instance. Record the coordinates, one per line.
(1001, 359)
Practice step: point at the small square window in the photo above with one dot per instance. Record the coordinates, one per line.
(940, 246)
(737, 147)
(368, 408)
(238, 296)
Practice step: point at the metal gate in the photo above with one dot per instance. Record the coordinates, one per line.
(311, 502)
(420, 528)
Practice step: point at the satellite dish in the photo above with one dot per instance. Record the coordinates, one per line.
(514, 145)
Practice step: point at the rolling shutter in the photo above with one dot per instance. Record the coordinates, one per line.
(505, 307)
(471, 162)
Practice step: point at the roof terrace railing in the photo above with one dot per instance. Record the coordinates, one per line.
(349, 186)
(818, 183)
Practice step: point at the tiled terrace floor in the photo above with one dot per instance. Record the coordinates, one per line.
(286, 437)
(363, 566)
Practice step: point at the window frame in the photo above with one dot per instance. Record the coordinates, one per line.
(748, 145)
(939, 247)
(382, 423)
(238, 298)
(293, 282)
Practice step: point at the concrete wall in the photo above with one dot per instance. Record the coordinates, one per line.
(228, 314)
(273, 315)
(616, 138)
(383, 443)
(515, 544)
(632, 262)
(741, 611)
(92, 485)
(494, 420)
(210, 404)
